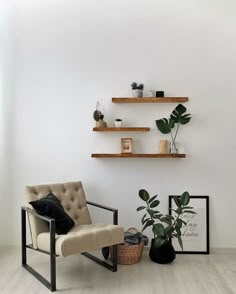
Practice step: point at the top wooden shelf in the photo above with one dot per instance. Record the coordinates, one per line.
(149, 99)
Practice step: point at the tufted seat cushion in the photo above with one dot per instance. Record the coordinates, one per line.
(83, 238)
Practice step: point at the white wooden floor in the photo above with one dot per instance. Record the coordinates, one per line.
(188, 274)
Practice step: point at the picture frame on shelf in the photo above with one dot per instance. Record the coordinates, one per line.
(195, 234)
(126, 145)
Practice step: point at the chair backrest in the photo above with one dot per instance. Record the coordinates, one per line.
(72, 198)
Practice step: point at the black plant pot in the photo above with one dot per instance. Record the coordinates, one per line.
(163, 254)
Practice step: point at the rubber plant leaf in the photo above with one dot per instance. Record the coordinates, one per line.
(144, 195)
(185, 198)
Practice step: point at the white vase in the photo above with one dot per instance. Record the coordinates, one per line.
(173, 148)
(137, 93)
(118, 124)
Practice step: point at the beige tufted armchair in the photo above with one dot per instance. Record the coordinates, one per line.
(84, 237)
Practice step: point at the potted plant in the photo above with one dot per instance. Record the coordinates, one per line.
(137, 89)
(118, 122)
(166, 125)
(164, 227)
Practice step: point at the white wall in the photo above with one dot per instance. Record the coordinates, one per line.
(6, 102)
(70, 54)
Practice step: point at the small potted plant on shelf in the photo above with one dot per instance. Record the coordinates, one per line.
(167, 125)
(118, 122)
(137, 89)
(164, 227)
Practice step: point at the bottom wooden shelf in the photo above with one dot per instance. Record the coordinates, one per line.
(136, 155)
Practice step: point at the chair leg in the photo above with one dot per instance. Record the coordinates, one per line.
(52, 257)
(23, 236)
(114, 258)
(112, 267)
(52, 284)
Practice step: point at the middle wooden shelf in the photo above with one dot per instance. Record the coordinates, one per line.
(122, 129)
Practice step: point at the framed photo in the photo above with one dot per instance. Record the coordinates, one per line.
(126, 145)
(195, 234)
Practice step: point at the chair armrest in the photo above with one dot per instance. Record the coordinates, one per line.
(52, 228)
(46, 218)
(115, 211)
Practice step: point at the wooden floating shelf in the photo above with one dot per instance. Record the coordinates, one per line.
(150, 100)
(136, 155)
(124, 129)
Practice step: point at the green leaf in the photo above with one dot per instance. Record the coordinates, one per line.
(171, 123)
(140, 208)
(145, 220)
(178, 231)
(187, 207)
(178, 115)
(159, 230)
(184, 222)
(179, 110)
(179, 210)
(184, 119)
(156, 212)
(173, 210)
(170, 217)
(190, 211)
(148, 224)
(159, 241)
(143, 194)
(158, 216)
(185, 198)
(180, 242)
(179, 223)
(151, 212)
(142, 220)
(177, 201)
(155, 203)
(152, 198)
(166, 220)
(163, 126)
(169, 231)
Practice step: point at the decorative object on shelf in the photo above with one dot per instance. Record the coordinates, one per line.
(126, 145)
(98, 115)
(118, 122)
(195, 230)
(177, 117)
(164, 227)
(151, 93)
(137, 89)
(160, 93)
(163, 147)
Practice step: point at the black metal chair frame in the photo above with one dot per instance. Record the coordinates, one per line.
(51, 285)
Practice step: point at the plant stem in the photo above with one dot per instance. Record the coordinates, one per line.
(148, 207)
(174, 223)
(173, 140)
(176, 132)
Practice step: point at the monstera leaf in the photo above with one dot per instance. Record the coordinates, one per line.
(165, 125)
(178, 115)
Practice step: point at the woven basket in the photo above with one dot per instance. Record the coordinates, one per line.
(129, 254)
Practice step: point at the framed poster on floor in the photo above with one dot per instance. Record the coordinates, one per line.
(195, 234)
